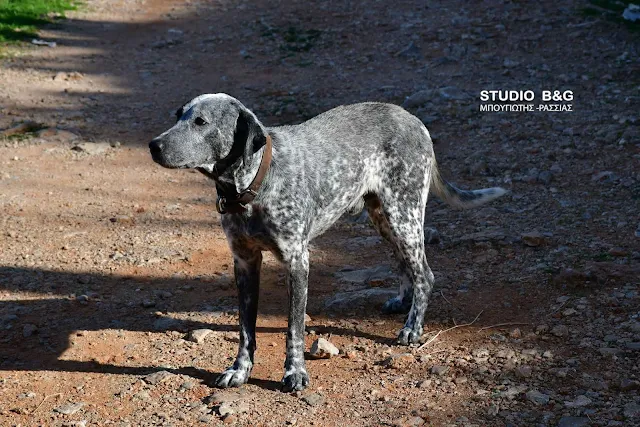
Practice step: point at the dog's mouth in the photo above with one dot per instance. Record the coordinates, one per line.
(171, 164)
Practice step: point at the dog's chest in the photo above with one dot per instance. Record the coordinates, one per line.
(249, 232)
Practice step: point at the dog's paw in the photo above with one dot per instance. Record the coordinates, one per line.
(396, 305)
(232, 378)
(408, 336)
(295, 381)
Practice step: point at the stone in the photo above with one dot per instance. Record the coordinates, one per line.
(28, 330)
(560, 331)
(537, 398)
(579, 402)
(398, 361)
(431, 236)
(379, 273)
(533, 239)
(627, 384)
(439, 370)
(418, 99)
(545, 177)
(609, 351)
(92, 148)
(323, 349)
(523, 371)
(515, 333)
(157, 377)
(198, 335)
(631, 410)
(368, 297)
(314, 399)
(574, 422)
(69, 408)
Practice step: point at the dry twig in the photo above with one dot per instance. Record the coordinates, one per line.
(430, 340)
(484, 328)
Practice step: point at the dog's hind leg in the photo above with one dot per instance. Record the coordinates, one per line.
(247, 273)
(402, 302)
(403, 209)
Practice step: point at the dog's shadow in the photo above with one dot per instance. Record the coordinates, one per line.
(59, 314)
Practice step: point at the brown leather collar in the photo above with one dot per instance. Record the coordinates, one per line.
(237, 202)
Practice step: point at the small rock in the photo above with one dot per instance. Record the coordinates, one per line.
(198, 335)
(560, 331)
(533, 239)
(92, 148)
(633, 345)
(545, 177)
(314, 399)
(307, 318)
(523, 371)
(418, 99)
(431, 236)
(493, 410)
(230, 419)
(627, 384)
(148, 303)
(609, 351)
(69, 408)
(515, 333)
(28, 330)
(411, 51)
(398, 361)
(537, 398)
(574, 422)
(439, 370)
(122, 219)
(631, 410)
(157, 377)
(579, 402)
(323, 349)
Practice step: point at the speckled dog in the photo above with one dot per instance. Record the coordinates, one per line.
(280, 187)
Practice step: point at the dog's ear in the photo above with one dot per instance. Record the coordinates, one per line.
(248, 134)
(179, 112)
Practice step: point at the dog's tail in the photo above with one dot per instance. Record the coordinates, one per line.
(462, 199)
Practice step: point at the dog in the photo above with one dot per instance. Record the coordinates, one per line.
(280, 187)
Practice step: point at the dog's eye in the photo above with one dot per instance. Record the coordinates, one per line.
(199, 121)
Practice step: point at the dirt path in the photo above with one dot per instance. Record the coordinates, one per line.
(107, 261)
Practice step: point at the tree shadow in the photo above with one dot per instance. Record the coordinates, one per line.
(54, 307)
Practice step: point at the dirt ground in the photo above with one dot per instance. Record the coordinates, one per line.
(108, 261)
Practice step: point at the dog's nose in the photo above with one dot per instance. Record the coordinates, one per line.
(155, 146)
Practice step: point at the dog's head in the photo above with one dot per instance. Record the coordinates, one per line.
(209, 127)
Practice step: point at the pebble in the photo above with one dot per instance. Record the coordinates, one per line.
(439, 370)
(523, 371)
(92, 148)
(579, 402)
(574, 422)
(157, 377)
(560, 331)
(323, 349)
(631, 410)
(537, 398)
(398, 361)
(28, 330)
(69, 408)
(515, 333)
(533, 239)
(198, 335)
(314, 399)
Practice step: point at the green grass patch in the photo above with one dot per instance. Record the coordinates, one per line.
(19, 19)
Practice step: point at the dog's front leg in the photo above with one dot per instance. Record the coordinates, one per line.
(247, 272)
(295, 375)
